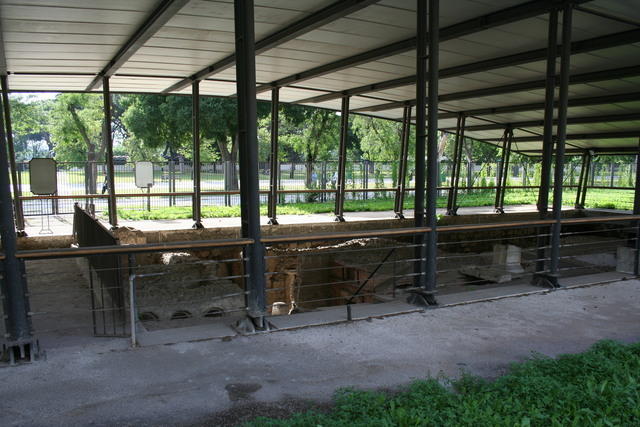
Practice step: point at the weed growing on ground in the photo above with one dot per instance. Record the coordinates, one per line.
(600, 387)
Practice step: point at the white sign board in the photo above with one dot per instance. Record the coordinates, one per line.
(144, 174)
(43, 176)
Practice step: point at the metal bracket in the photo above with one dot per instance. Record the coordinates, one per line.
(21, 351)
(21, 233)
(500, 211)
(339, 218)
(399, 216)
(452, 212)
(273, 221)
(546, 280)
(421, 297)
(197, 226)
(252, 325)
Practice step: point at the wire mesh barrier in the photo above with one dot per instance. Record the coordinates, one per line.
(193, 289)
(480, 262)
(325, 274)
(186, 289)
(168, 287)
(595, 249)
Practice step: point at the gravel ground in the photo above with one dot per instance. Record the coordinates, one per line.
(224, 382)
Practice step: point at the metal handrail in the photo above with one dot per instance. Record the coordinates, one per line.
(151, 247)
(126, 249)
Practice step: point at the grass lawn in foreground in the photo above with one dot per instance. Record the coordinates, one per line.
(596, 198)
(600, 387)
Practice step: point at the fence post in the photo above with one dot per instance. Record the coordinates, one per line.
(133, 309)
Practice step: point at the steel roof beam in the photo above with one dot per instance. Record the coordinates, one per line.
(617, 73)
(595, 150)
(578, 136)
(540, 123)
(3, 58)
(160, 16)
(583, 46)
(322, 17)
(470, 26)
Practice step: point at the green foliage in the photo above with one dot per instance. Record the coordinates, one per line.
(76, 127)
(380, 140)
(311, 132)
(30, 124)
(600, 387)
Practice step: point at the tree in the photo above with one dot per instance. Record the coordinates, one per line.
(166, 121)
(311, 132)
(380, 139)
(77, 121)
(30, 124)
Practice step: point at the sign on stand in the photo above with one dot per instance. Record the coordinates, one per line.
(144, 179)
(43, 179)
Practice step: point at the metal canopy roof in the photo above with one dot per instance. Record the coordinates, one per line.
(492, 57)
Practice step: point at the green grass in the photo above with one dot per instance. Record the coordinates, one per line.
(600, 387)
(611, 199)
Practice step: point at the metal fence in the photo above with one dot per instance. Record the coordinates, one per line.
(85, 183)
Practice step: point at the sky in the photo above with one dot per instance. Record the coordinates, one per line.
(34, 96)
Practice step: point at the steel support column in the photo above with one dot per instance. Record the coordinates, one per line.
(197, 197)
(548, 140)
(248, 149)
(398, 206)
(432, 148)
(421, 119)
(424, 295)
(584, 180)
(636, 211)
(556, 229)
(19, 341)
(503, 171)
(108, 139)
(342, 160)
(17, 191)
(452, 208)
(274, 168)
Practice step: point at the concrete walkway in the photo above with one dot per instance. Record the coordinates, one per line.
(219, 382)
(62, 224)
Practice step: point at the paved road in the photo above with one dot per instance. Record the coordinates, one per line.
(105, 383)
